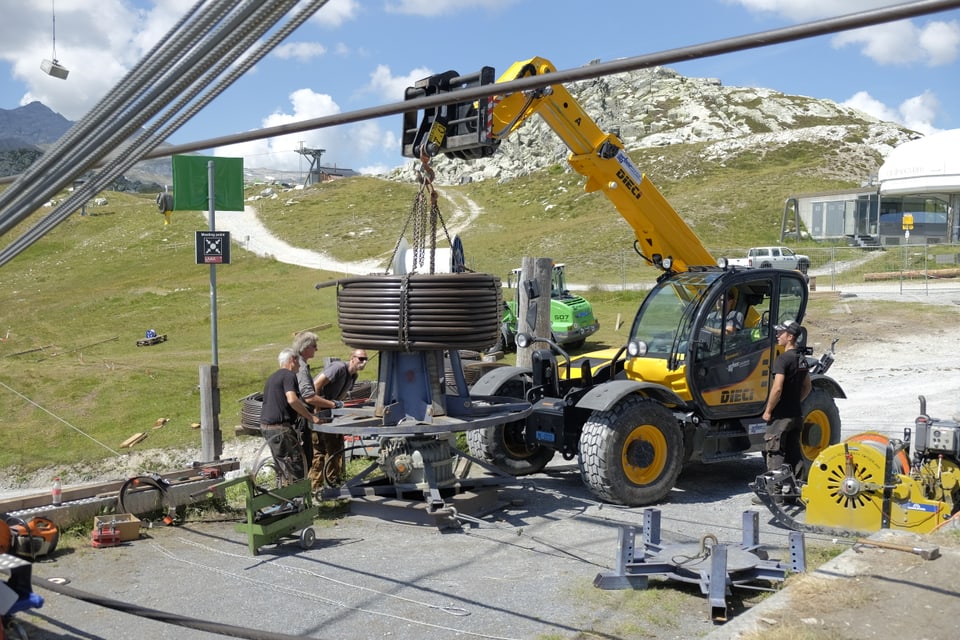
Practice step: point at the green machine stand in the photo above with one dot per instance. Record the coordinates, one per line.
(276, 513)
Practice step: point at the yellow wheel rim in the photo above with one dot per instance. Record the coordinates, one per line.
(816, 434)
(644, 455)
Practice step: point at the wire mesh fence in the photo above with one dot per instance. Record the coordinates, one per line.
(908, 268)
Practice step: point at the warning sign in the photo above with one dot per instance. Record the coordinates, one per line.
(213, 247)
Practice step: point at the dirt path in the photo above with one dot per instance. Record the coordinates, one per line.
(248, 231)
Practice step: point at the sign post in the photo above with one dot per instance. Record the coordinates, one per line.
(193, 187)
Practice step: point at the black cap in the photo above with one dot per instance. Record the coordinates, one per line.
(790, 326)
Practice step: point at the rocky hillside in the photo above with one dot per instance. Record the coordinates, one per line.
(658, 107)
(26, 132)
(31, 126)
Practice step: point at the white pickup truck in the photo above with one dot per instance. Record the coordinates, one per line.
(776, 257)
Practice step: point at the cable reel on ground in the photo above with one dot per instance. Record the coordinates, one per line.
(870, 482)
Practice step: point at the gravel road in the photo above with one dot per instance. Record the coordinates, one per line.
(524, 571)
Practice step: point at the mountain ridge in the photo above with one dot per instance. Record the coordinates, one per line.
(658, 107)
(648, 108)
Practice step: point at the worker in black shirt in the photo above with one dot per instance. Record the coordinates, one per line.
(281, 405)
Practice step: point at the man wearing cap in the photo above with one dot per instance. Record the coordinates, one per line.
(791, 385)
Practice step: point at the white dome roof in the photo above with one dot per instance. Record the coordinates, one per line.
(931, 163)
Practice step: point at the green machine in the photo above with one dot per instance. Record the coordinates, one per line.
(571, 316)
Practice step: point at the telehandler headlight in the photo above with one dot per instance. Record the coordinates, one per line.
(637, 348)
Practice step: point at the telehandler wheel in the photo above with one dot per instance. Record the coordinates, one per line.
(504, 445)
(821, 427)
(631, 454)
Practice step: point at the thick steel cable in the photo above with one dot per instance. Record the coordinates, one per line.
(164, 616)
(588, 72)
(159, 91)
(156, 61)
(132, 153)
(693, 52)
(92, 118)
(420, 312)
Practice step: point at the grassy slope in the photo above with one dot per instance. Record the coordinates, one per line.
(77, 301)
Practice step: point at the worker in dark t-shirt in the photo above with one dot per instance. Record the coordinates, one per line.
(278, 413)
(791, 385)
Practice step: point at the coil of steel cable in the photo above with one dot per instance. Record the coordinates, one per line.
(250, 411)
(419, 312)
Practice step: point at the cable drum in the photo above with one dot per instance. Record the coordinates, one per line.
(250, 412)
(419, 312)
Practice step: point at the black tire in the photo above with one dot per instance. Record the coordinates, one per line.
(631, 454)
(504, 446)
(804, 266)
(821, 427)
(307, 537)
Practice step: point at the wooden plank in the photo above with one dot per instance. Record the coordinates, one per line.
(319, 327)
(134, 439)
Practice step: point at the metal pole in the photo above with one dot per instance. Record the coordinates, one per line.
(211, 212)
(211, 440)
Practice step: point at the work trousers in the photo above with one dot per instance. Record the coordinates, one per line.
(284, 442)
(781, 442)
(327, 465)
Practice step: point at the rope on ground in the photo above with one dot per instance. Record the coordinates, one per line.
(56, 417)
(163, 616)
(314, 596)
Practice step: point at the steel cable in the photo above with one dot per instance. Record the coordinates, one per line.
(418, 312)
(128, 118)
(50, 168)
(150, 139)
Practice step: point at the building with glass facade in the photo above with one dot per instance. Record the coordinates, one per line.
(920, 178)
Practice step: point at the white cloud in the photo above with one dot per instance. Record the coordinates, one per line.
(806, 10)
(95, 53)
(281, 152)
(300, 51)
(916, 113)
(941, 42)
(336, 12)
(904, 43)
(432, 8)
(391, 87)
(344, 145)
(920, 111)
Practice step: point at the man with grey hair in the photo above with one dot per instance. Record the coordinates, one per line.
(305, 346)
(281, 406)
(332, 385)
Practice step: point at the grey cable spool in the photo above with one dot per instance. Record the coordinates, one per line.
(420, 312)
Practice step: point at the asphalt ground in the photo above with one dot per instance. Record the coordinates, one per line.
(525, 570)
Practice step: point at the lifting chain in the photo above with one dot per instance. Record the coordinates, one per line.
(424, 215)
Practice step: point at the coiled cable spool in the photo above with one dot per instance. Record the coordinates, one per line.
(420, 312)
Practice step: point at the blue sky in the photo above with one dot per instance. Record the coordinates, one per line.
(355, 54)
